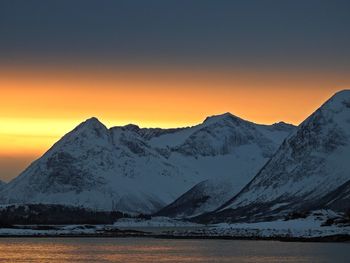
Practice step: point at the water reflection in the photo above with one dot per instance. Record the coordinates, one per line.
(164, 250)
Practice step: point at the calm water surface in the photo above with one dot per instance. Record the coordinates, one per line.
(166, 250)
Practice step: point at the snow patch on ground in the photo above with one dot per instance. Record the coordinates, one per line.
(308, 227)
(154, 222)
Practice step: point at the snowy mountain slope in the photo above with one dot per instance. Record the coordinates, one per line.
(95, 167)
(203, 197)
(138, 170)
(2, 184)
(310, 164)
(339, 199)
(247, 147)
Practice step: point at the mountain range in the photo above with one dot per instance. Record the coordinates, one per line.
(136, 170)
(225, 169)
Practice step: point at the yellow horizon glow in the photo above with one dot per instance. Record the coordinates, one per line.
(39, 107)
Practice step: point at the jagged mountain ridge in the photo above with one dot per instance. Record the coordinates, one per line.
(310, 170)
(136, 170)
(253, 147)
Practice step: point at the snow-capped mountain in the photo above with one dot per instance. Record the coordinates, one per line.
(310, 170)
(138, 170)
(100, 168)
(247, 148)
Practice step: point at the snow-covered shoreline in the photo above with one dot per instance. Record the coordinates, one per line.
(304, 229)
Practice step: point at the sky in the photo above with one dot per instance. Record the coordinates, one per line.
(162, 64)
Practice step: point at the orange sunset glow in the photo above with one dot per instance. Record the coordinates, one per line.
(37, 108)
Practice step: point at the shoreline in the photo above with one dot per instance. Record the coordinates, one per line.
(337, 238)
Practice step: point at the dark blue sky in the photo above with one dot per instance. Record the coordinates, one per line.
(294, 34)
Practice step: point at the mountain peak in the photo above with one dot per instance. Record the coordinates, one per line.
(338, 100)
(92, 121)
(342, 93)
(283, 125)
(131, 127)
(221, 117)
(91, 124)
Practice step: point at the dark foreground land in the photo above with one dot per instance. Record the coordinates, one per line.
(64, 221)
(93, 231)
